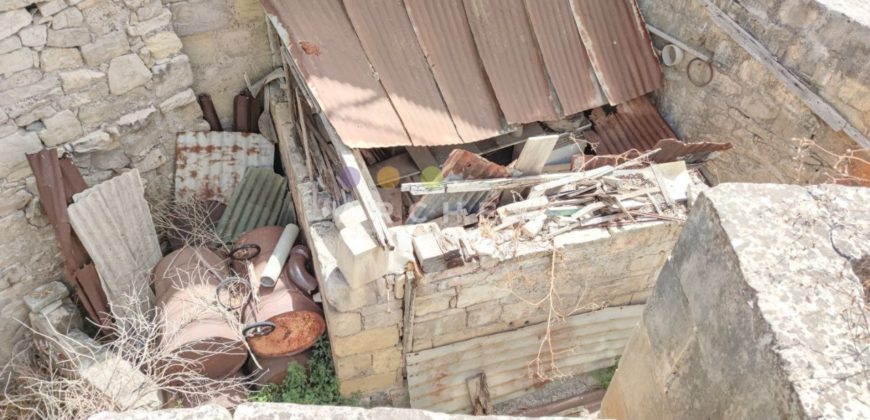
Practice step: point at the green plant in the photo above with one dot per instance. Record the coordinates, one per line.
(316, 386)
(604, 376)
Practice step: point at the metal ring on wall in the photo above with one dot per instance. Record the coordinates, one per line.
(692, 79)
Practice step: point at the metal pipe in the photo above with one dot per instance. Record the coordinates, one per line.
(299, 256)
(667, 37)
(208, 112)
(270, 274)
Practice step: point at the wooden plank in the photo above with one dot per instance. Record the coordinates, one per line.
(536, 152)
(422, 157)
(477, 185)
(583, 343)
(478, 393)
(814, 102)
(402, 167)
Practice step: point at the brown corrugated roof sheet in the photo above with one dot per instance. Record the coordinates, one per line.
(446, 39)
(636, 124)
(510, 55)
(424, 72)
(564, 55)
(619, 47)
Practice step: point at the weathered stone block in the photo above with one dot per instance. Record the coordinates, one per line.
(366, 341)
(67, 38)
(371, 383)
(178, 100)
(172, 77)
(387, 360)
(44, 295)
(450, 321)
(468, 296)
(342, 324)
(127, 73)
(59, 317)
(129, 388)
(163, 45)
(34, 36)
(77, 79)
(12, 159)
(211, 412)
(433, 304)
(61, 128)
(9, 44)
(145, 27)
(48, 8)
(68, 18)
(18, 60)
(60, 58)
(199, 16)
(13, 20)
(96, 141)
(105, 48)
(353, 366)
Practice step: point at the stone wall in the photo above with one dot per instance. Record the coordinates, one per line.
(759, 314)
(225, 39)
(594, 268)
(103, 79)
(746, 105)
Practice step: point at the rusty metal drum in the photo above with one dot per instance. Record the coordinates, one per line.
(194, 326)
(298, 321)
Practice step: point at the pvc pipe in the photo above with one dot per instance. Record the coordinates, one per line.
(667, 37)
(276, 261)
(672, 55)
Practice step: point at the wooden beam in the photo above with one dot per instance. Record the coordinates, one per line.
(814, 102)
(422, 157)
(535, 153)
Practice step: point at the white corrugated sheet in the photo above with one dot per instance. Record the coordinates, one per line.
(114, 223)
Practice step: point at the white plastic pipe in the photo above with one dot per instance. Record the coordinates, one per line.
(279, 256)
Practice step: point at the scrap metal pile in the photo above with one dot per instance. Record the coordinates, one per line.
(232, 296)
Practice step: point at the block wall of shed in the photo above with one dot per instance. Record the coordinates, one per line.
(104, 79)
(746, 105)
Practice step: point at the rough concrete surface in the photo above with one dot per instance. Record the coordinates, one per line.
(759, 313)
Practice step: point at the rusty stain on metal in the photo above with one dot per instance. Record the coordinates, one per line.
(208, 166)
(57, 180)
(619, 48)
(298, 320)
(114, 223)
(564, 55)
(340, 77)
(193, 324)
(636, 125)
(388, 39)
(261, 199)
(445, 37)
(460, 165)
(513, 63)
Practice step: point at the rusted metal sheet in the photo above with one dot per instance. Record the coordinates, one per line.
(513, 63)
(57, 181)
(325, 48)
(581, 344)
(619, 47)
(445, 37)
(460, 165)
(636, 125)
(192, 322)
(389, 41)
(564, 55)
(114, 223)
(673, 150)
(208, 166)
(261, 199)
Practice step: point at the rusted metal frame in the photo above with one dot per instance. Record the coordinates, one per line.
(361, 190)
(57, 180)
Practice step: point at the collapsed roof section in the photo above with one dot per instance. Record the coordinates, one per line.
(421, 73)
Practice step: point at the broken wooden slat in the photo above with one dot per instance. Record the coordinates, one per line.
(814, 102)
(422, 157)
(478, 393)
(535, 153)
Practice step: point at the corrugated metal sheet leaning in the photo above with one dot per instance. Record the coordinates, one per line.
(261, 199)
(208, 166)
(114, 223)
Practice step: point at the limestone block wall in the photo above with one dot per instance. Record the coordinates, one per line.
(593, 268)
(825, 43)
(225, 39)
(756, 320)
(103, 79)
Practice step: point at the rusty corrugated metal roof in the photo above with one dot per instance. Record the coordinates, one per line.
(328, 53)
(636, 124)
(510, 55)
(564, 55)
(619, 47)
(209, 165)
(390, 43)
(448, 44)
(460, 165)
(396, 75)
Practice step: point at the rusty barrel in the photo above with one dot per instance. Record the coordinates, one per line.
(195, 326)
(298, 320)
(273, 370)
